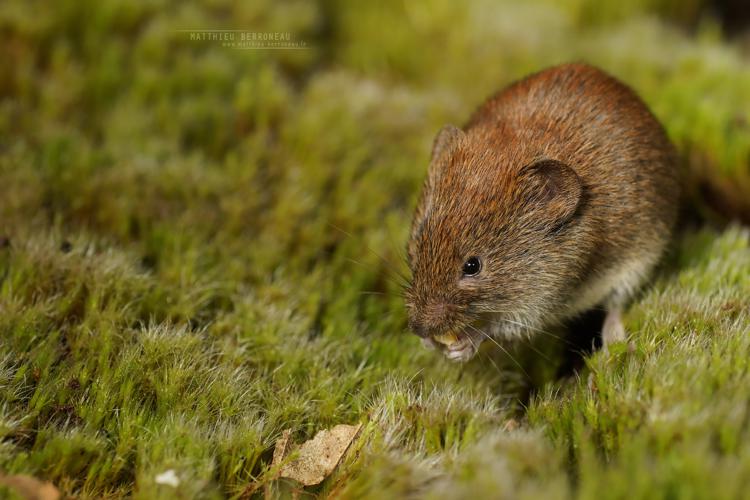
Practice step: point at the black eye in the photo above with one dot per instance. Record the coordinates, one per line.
(472, 266)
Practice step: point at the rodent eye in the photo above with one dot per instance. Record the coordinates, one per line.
(472, 266)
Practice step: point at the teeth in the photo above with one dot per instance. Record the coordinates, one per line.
(447, 339)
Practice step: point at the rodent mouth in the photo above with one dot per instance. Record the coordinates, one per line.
(457, 345)
(447, 339)
(460, 335)
(453, 340)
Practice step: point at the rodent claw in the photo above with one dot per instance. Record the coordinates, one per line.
(460, 355)
(460, 351)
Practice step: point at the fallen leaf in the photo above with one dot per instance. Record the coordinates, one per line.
(281, 449)
(317, 457)
(30, 488)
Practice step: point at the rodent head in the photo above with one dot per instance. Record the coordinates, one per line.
(492, 240)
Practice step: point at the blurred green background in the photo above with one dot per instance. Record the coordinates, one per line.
(200, 246)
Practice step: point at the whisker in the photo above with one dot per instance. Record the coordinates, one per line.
(492, 361)
(529, 327)
(395, 279)
(384, 316)
(502, 348)
(389, 265)
(530, 343)
(400, 251)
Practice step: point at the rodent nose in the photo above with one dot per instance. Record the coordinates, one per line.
(419, 329)
(429, 320)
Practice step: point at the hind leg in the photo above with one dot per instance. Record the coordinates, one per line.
(613, 330)
(630, 280)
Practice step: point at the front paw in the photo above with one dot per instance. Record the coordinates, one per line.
(460, 351)
(458, 347)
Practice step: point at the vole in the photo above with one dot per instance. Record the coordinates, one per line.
(558, 196)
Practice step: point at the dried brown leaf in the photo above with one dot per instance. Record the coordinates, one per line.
(281, 450)
(30, 488)
(317, 457)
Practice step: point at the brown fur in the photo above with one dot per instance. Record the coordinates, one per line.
(564, 184)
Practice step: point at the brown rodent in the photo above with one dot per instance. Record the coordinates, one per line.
(559, 195)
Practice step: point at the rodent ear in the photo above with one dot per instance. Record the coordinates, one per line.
(558, 187)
